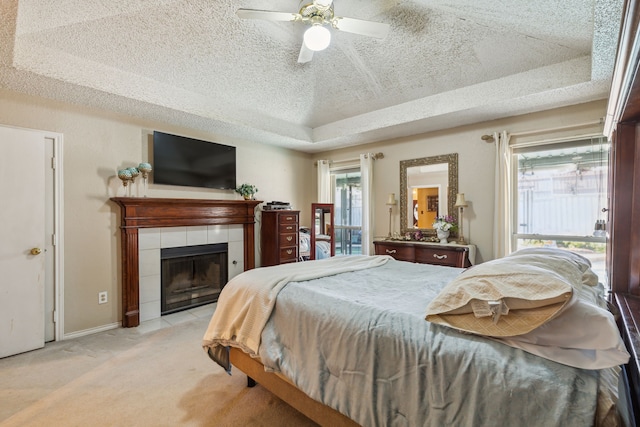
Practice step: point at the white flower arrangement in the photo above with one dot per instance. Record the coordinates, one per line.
(445, 223)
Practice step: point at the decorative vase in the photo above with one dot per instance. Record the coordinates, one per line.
(145, 169)
(247, 196)
(125, 176)
(442, 235)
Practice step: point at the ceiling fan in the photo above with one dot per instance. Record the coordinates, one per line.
(318, 14)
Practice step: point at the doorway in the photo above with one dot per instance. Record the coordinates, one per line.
(347, 200)
(31, 261)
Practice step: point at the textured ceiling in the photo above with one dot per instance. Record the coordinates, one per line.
(194, 63)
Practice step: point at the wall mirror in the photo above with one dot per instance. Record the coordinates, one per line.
(323, 241)
(428, 188)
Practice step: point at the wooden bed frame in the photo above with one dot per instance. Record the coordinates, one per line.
(628, 322)
(281, 387)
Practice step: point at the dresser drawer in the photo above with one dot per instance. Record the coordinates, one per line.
(288, 239)
(288, 254)
(426, 253)
(440, 256)
(288, 218)
(399, 252)
(288, 228)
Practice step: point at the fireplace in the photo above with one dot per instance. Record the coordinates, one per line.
(148, 212)
(192, 276)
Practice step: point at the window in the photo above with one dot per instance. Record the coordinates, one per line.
(347, 200)
(561, 191)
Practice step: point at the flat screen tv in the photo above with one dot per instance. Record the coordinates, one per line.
(178, 160)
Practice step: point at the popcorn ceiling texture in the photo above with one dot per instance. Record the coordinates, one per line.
(194, 63)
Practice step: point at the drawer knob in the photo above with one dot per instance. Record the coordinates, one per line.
(289, 228)
(390, 251)
(289, 251)
(289, 218)
(289, 238)
(439, 256)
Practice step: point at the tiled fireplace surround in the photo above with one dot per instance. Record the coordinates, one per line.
(151, 240)
(149, 224)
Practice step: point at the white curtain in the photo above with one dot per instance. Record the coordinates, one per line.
(366, 182)
(324, 182)
(502, 219)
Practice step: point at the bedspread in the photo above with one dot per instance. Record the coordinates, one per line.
(359, 343)
(246, 302)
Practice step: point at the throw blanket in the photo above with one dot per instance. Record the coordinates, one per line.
(246, 302)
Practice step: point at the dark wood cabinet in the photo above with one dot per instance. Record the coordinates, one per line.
(279, 239)
(425, 253)
(622, 127)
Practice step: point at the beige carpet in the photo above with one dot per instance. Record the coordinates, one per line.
(126, 377)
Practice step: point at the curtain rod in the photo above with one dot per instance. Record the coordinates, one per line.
(490, 138)
(577, 125)
(375, 156)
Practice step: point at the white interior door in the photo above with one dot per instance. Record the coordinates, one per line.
(22, 227)
(50, 250)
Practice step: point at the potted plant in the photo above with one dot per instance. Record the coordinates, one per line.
(443, 226)
(247, 191)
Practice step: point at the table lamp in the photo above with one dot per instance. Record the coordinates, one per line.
(391, 202)
(461, 203)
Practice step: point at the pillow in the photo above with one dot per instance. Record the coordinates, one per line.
(506, 297)
(582, 335)
(583, 263)
(588, 276)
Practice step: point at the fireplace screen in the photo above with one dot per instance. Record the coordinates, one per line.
(192, 276)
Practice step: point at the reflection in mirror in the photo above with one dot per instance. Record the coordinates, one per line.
(428, 188)
(322, 231)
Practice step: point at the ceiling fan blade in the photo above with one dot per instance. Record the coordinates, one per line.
(306, 54)
(357, 26)
(269, 15)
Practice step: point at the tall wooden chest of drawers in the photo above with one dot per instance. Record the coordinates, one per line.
(279, 239)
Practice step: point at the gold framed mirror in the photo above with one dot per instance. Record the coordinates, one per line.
(428, 188)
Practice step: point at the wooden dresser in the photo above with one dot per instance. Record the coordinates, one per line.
(279, 240)
(452, 255)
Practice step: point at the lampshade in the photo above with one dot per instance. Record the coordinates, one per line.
(460, 201)
(392, 199)
(317, 37)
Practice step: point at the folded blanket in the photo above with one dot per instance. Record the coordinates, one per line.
(246, 301)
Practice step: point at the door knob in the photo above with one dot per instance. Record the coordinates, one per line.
(36, 251)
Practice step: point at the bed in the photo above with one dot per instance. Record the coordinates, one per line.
(345, 340)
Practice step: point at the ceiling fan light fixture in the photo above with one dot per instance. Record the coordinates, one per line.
(322, 4)
(317, 37)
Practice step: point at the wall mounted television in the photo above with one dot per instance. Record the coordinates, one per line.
(178, 160)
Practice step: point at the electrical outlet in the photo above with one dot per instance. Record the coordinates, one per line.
(102, 297)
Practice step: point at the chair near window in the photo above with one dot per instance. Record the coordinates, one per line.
(323, 242)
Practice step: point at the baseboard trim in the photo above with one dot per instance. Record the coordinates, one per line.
(91, 331)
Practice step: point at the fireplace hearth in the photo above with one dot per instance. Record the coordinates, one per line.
(192, 276)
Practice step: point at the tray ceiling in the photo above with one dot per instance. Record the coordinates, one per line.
(194, 63)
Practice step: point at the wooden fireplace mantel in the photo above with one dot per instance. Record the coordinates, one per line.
(143, 212)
